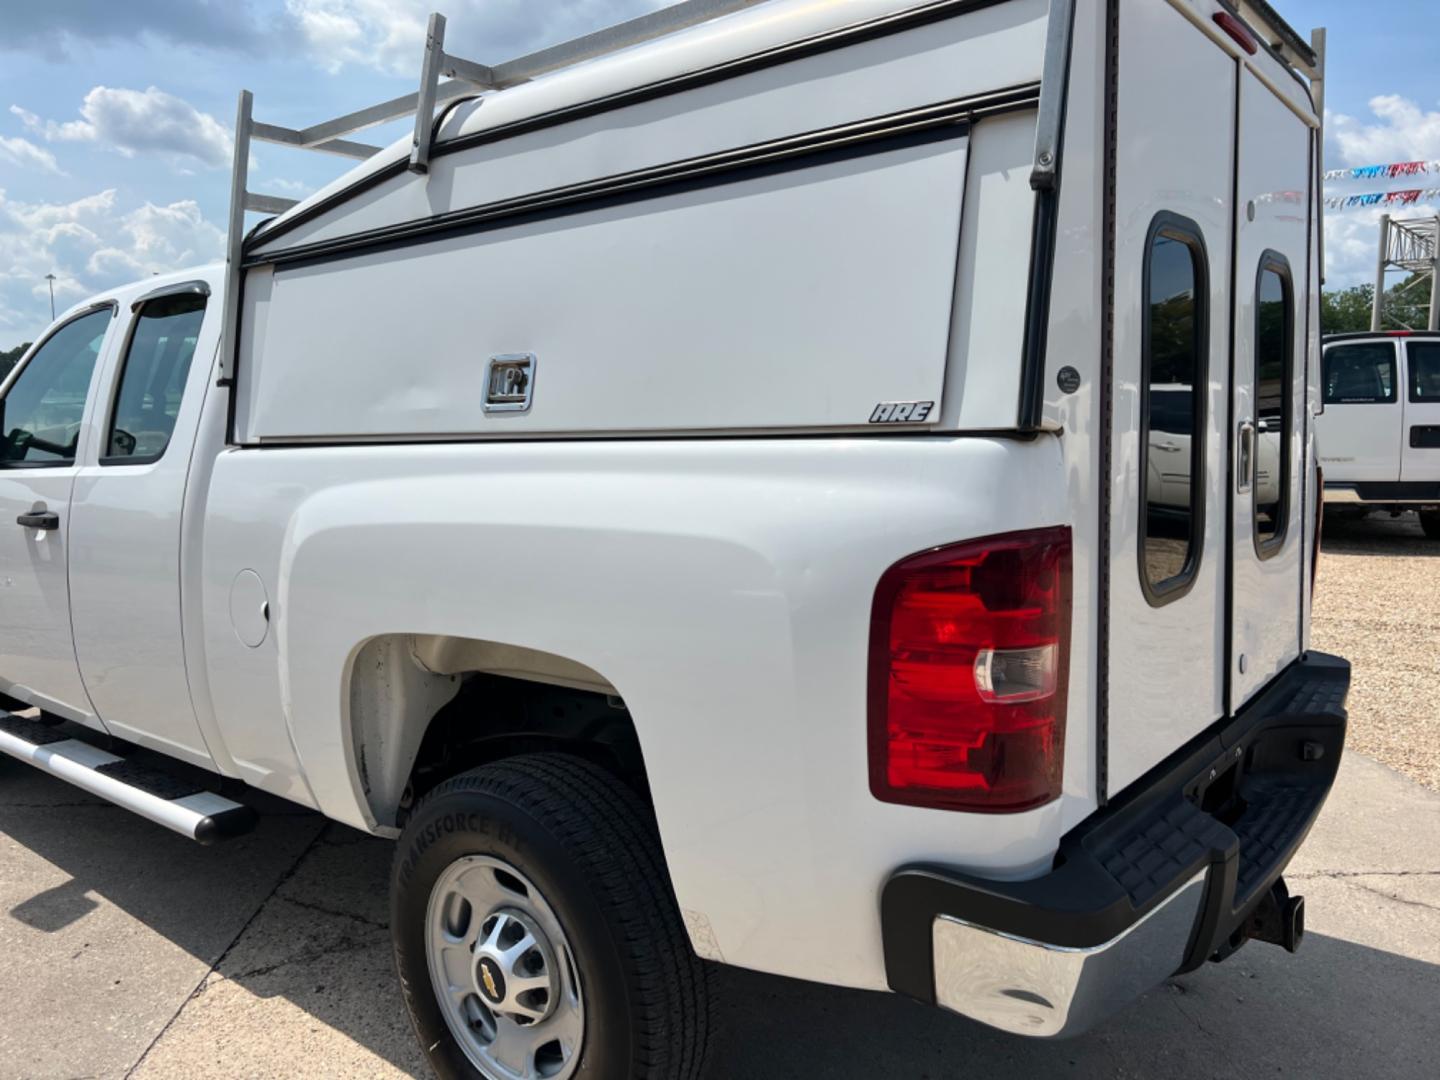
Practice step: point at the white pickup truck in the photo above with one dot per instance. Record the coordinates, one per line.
(694, 500)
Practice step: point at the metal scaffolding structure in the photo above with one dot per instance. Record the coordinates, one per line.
(1410, 247)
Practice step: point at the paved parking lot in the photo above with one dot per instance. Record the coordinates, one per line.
(126, 951)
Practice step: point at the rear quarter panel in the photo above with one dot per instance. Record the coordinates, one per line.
(723, 587)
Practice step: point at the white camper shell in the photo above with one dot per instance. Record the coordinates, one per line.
(822, 487)
(615, 234)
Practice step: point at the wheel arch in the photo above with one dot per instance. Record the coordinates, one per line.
(423, 707)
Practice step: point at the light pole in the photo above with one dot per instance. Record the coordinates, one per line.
(51, 279)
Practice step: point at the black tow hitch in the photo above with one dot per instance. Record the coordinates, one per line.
(1278, 919)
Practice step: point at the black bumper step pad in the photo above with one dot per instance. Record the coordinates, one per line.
(1275, 814)
(31, 730)
(161, 784)
(1147, 864)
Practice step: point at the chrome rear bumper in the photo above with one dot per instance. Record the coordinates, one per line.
(1033, 988)
(1178, 869)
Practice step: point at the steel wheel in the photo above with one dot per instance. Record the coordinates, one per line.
(503, 972)
(536, 935)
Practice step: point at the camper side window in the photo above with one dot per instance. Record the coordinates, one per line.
(1424, 371)
(1173, 378)
(1360, 374)
(1274, 377)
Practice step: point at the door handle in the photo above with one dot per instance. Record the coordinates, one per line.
(1245, 457)
(39, 519)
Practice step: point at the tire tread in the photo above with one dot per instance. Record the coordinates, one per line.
(610, 835)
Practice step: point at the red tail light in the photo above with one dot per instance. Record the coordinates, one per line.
(969, 658)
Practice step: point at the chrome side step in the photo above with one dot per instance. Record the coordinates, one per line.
(166, 800)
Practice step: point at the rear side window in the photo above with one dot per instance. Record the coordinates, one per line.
(1424, 370)
(40, 415)
(1360, 374)
(1274, 377)
(152, 380)
(1173, 376)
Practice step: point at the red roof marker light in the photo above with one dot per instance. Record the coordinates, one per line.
(1237, 30)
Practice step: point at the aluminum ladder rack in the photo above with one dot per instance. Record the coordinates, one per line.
(443, 78)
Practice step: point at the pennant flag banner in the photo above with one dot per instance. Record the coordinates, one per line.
(1382, 198)
(1378, 172)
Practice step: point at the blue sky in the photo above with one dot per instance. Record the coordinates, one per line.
(115, 117)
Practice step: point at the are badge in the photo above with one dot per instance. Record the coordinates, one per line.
(902, 412)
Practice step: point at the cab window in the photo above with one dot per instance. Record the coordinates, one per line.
(152, 379)
(1424, 371)
(1360, 374)
(40, 416)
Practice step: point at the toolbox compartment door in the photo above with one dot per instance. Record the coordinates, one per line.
(777, 297)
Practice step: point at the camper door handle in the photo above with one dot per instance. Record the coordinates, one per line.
(39, 519)
(1245, 457)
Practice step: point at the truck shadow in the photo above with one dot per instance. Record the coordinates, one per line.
(1345, 533)
(1260, 1013)
(295, 915)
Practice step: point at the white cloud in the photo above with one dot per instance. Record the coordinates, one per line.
(89, 244)
(1396, 129)
(154, 239)
(55, 30)
(389, 35)
(1404, 132)
(37, 217)
(290, 187)
(50, 131)
(26, 155)
(1352, 238)
(138, 122)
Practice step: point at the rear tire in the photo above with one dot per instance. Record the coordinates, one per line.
(579, 868)
(1430, 522)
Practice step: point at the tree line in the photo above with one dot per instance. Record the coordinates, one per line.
(11, 357)
(1407, 304)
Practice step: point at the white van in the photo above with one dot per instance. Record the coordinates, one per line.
(1379, 434)
(696, 502)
